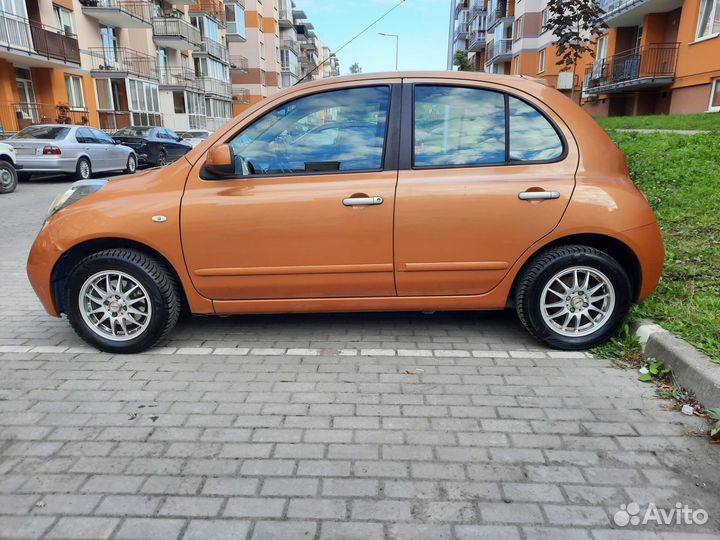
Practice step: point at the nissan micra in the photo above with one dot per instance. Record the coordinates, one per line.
(404, 191)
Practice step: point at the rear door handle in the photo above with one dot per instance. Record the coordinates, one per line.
(362, 201)
(538, 195)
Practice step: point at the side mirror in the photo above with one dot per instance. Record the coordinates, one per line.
(220, 160)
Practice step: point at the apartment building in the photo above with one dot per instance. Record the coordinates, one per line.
(281, 48)
(657, 57)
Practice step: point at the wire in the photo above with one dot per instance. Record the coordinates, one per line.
(333, 55)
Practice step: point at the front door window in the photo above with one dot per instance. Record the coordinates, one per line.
(343, 130)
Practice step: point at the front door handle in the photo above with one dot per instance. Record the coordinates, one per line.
(362, 201)
(538, 195)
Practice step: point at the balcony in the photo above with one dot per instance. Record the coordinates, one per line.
(291, 45)
(119, 13)
(38, 44)
(240, 95)
(238, 64)
(175, 33)
(285, 18)
(308, 44)
(499, 51)
(462, 29)
(632, 12)
(215, 49)
(476, 41)
(211, 8)
(650, 67)
(476, 7)
(179, 78)
(459, 6)
(290, 69)
(497, 15)
(216, 87)
(121, 62)
(15, 116)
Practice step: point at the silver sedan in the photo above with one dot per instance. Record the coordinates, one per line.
(76, 150)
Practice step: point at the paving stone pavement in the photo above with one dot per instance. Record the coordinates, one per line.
(360, 426)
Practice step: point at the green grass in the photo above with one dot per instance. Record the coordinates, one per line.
(707, 122)
(680, 175)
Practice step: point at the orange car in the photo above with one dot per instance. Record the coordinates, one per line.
(404, 191)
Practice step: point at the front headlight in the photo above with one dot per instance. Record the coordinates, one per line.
(76, 192)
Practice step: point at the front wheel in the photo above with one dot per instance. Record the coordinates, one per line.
(162, 158)
(573, 297)
(121, 300)
(8, 177)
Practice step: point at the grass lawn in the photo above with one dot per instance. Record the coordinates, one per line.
(680, 175)
(707, 122)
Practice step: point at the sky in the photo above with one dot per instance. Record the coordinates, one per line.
(421, 24)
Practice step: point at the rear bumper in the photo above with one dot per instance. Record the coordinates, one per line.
(647, 244)
(48, 164)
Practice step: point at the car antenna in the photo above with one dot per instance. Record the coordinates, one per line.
(368, 27)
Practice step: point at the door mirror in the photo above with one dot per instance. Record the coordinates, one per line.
(220, 160)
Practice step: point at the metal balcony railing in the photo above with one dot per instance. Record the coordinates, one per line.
(19, 33)
(215, 49)
(238, 64)
(476, 6)
(139, 9)
(292, 69)
(460, 5)
(179, 77)
(494, 16)
(17, 115)
(123, 61)
(175, 27)
(213, 8)
(653, 65)
(498, 49)
(290, 44)
(240, 95)
(215, 86)
(462, 29)
(476, 41)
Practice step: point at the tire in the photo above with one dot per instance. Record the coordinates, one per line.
(162, 158)
(83, 169)
(8, 177)
(131, 166)
(548, 297)
(148, 304)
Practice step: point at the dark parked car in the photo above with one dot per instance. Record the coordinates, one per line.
(153, 145)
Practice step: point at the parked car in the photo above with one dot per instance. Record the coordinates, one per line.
(76, 150)
(8, 174)
(154, 145)
(196, 136)
(471, 192)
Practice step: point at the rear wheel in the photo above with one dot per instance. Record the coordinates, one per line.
(573, 297)
(83, 169)
(131, 166)
(121, 300)
(8, 177)
(162, 158)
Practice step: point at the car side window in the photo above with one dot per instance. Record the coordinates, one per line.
(458, 127)
(532, 137)
(102, 137)
(85, 136)
(340, 130)
(170, 134)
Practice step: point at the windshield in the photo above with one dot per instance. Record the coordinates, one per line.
(50, 133)
(132, 132)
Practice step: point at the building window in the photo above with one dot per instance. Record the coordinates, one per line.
(541, 61)
(516, 65)
(235, 19)
(715, 96)
(709, 20)
(63, 18)
(518, 30)
(545, 14)
(76, 99)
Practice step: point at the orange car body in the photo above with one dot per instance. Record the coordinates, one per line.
(444, 239)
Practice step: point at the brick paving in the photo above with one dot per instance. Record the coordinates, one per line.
(357, 426)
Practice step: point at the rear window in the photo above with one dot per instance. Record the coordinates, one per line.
(49, 133)
(195, 135)
(132, 132)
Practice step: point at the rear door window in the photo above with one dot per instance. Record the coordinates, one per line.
(532, 137)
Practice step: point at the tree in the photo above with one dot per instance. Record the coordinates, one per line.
(461, 61)
(575, 24)
(355, 68)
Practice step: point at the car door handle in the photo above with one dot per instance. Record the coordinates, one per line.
(362, 201)
(538, 195)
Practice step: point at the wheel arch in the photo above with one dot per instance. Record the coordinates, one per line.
(72, 257)
(617, 249)
(6, 159)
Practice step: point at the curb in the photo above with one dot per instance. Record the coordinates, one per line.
(691, 369)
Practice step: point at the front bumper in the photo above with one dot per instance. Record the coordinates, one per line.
(43, 257)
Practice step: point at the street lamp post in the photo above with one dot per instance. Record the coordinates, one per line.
(397, 45)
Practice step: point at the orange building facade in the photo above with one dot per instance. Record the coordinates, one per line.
(656, 57)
